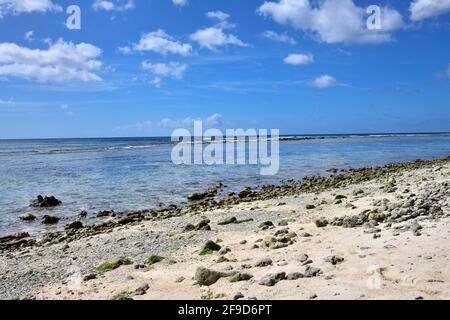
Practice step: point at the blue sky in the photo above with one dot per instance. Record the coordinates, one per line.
(145, 67)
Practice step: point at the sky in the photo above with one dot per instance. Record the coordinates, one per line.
(146, 67)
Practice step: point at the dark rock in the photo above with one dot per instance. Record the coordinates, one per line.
(321, 223)
(14, 237)
(266, 225)
(246, 193)
(131, 217)
(201, 226)
(47, 202)
(264, 263)
(238, 296)
(142, 290)
(334, 260)
(106, 213)
(312, 272)
(89, 277)
(74, 226)
(199, 196)
(50, 219)
(83, 214)
(28, 217)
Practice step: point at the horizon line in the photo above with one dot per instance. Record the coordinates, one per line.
(281, 135)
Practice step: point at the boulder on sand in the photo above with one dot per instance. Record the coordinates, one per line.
(207, 277)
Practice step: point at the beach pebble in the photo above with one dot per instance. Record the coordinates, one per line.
(271, 279)
(264, 263)
(240, 276)
(334, 260)
(321, 223)
(312, 272)
(294, 276)
(238, 296)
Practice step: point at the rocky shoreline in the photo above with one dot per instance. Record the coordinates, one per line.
(309, 234)
(203, 201)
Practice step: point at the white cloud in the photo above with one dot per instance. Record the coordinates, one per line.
(173, 70)
(323, 82)
(160, 42)
(422, 9)
(222, 18)
(67, 111)
(298, 59)
(156, 82)
(114, 5)
(180, 3)
(443, 74)
(29, 35)
(213, 121)
(332, 21)
(280, 37)
(62, 61)
(215, 37)
(7, 103)
(27, 6)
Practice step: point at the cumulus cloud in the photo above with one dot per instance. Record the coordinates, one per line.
(27, 6)
(298, 59)
(215, 37)
(113, 5)
(180, 3)
(160, 42)
(332, 21)
(423, 9)
(280, 37)
(62, 61)
(323, 82)
(174, 70)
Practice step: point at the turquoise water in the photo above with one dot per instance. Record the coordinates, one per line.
(137, 173)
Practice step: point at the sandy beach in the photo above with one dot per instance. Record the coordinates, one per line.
(384, 238)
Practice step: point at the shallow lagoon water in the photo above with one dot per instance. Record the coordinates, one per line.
(137, 173)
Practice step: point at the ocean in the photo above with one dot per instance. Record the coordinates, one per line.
(137, 173)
